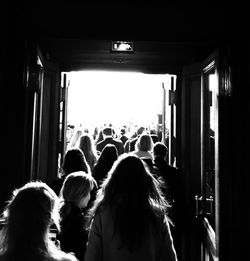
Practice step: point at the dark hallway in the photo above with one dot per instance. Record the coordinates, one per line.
(40, 41)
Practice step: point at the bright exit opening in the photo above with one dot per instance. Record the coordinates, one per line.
(131, 99)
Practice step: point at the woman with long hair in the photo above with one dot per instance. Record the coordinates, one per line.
(128, 220)
(106, 160)
(86, 144)
(74, 160)
(28, 217)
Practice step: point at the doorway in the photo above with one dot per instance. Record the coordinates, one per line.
(94, 99)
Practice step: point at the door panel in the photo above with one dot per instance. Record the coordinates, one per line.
(191, 156)
(63, 118)
(49, 122)
(209, 156)
(200, 129)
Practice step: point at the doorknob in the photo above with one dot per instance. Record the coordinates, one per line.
(198, 210)
(210, 200)
(198, 199)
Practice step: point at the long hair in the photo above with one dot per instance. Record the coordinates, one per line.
(108, 156)
(135, 198)
(75, 187)
(28, 216)
(74, 160)
(86, 144)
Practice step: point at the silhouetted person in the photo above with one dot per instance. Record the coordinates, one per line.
(86, 144)
(143, 149)
(128, 219)
(108, 133)
(74, 160)
(123, 136)
(130, 144)
(75, 139)
(173, 188)
(105, 162)
(75, 195)
(154, 135)
(28, 216)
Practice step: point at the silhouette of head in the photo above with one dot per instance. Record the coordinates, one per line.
(29, 214)
(76, 187)
(128, 177)
(108, 131)
(75, 160)
(160, 149)
(140, 130)
(144, 143)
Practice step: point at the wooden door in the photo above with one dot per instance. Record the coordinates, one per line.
(208, 201)
(200, 154)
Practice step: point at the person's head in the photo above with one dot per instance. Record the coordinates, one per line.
(76, 188)
(86, 143)
(144, 143)
(108, 132)
(29, 214)
(123, 131)
(128, 176)
(160, 150)
(74, 160)
(140, 130)
(106, 160)
(109, 153)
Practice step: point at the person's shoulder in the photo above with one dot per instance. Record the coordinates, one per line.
(63, 256)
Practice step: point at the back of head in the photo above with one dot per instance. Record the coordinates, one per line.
(75, 160)
(144, 143)
(160, 149)
(108, 154)
(123, 131)
(86, 143)
(140, 130)
(29, 214)
(108, 131)
(128, 178)
(76, 186)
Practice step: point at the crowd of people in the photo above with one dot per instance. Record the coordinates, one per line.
(116, 198)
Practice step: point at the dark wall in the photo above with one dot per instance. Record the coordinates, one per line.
(13, 99)
(235, 162)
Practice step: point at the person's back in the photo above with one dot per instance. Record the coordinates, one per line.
(129, 217)
(28, 217)
(154, 247)
(86, 144)
(108, 139)
(169, 174)
(108, 156)
(173, 190)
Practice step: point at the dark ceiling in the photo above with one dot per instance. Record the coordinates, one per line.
(78, 34)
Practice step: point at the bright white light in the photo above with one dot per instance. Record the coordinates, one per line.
(98, 97)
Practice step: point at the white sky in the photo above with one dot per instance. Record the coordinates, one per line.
(98, 97)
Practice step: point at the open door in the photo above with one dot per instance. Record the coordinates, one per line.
(200, 147)
(208, 201)
(169, 116)
(63, 118)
